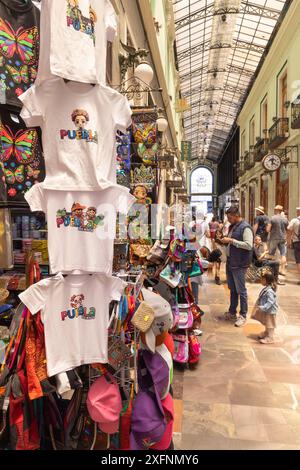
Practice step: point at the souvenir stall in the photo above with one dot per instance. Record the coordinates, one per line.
(92, 311)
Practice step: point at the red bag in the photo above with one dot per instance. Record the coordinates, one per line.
(194, 350)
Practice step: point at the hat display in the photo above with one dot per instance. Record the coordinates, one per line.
(148, 423)
(4, 293)
(278, 208)
(104, 404)
(166, 355)
(163, 317)
(260, 209)
(153, 374)
(168, 407)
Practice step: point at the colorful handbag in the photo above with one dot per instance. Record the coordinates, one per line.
(181, 345)
(176, 251)
(170, 277)
(143, 317)
(158, 252)
(196, 270)
(186, 318)
(194, 349)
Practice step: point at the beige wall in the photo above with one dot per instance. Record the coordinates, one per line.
(284, 55)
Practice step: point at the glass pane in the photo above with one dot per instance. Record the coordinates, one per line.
(201, 181)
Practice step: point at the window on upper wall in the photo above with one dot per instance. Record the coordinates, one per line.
(264, 117)
(283, 95)
(252, 132)
(243, 144)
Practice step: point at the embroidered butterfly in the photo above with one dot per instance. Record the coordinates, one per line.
(32, 173)
(20, 75)
(23, 42)
(14, 176)
(22, 145)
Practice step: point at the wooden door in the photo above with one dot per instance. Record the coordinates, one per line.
(282, 188)
(243, 204)
(264, 185)
(251, 205)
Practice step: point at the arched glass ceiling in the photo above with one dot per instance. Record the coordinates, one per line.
(220, 44)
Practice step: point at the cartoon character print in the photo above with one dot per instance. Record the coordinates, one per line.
(85, 219)
(19, 52)
(141, 194)
(80, 118)
(79, 22)
(78, 310)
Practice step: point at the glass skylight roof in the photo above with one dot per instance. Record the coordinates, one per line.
(220, 44)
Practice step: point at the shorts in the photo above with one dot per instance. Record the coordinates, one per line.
(281, 245)
(215, 256)
(296, 246)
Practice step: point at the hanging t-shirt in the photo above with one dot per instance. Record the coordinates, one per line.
(75, 313)
(19, 48)
(81, 225)
(74, 35)
(21, 155)
(79, 124)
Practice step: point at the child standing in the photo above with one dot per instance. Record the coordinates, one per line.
(266, 308)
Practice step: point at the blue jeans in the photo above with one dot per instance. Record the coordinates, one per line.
(236, 280)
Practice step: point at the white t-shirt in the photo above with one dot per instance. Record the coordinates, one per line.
(81, 226)
(294, 227)
(79, 124)
(72, 44)
(75, 313)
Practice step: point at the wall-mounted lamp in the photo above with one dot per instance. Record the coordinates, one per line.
(162, 122)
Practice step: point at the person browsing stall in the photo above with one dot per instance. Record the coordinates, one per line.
(239, 257)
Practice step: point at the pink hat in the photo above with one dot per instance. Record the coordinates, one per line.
(168, 407)
(104, 404)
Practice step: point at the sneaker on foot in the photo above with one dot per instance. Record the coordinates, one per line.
(241, 321)
(198, 332)
(230, 317)
(218, 281)
(262, 335)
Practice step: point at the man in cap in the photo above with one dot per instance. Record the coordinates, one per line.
(278, 237)
(261, 225)
(294, 238)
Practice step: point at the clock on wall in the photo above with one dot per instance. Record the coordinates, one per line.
(271, 162)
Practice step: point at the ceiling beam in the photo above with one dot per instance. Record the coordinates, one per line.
(245, 9)
(206, 45)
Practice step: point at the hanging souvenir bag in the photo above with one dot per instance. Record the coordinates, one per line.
(176, 316)
(125, 422)
(186, 318)
(171, 276)
(159, 252)
(176, 250)
(181, 346)
(145, 133)
(143, 317)
(194, 349)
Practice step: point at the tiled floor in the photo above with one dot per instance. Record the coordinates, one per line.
(242, 395)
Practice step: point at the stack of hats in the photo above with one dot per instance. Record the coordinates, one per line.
(153, 409)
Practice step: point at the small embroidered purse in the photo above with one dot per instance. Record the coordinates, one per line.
(143, 317)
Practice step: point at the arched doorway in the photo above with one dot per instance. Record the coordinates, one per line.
(202, 189)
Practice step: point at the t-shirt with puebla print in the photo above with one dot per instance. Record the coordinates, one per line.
(75, 313)
(81, 226)
(19, 48)
(21, 155)
(74, 35)
(79, 124)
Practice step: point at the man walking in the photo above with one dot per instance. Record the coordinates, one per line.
(278, 236)
(239, 256)
(294, 238)
(261, 226)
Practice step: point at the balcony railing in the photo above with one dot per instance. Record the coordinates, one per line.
(295, 124)
(261, 149)
(279, 132)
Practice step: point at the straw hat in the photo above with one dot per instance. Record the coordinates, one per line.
(4, 293)
(260, 209)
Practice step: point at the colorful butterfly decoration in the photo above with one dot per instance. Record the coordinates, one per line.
(32, 173)
(148, 155)
(15, 176)
(24, 42)
(145, 133)
(24, 74)
(22, 145)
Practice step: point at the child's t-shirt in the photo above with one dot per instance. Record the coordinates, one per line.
(74, 35)
(79, 124)
(75, 313)
(81, 226)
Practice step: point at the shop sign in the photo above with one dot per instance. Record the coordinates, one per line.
(186, 150)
